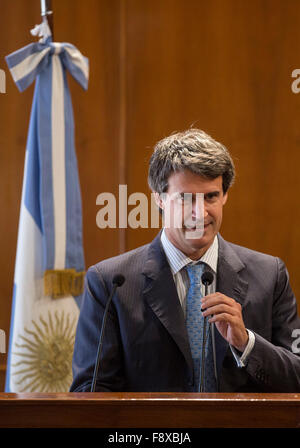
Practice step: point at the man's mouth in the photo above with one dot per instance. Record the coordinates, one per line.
(194, 227)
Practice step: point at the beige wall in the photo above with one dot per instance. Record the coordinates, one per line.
(158, 66)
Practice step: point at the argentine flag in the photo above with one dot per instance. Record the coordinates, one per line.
(49, 269)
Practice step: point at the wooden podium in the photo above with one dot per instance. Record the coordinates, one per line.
(149, 410)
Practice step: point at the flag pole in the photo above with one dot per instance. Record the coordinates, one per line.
(46, 11)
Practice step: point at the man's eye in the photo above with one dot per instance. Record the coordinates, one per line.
(211, 196)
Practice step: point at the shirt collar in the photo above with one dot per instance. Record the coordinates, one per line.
(178, 260)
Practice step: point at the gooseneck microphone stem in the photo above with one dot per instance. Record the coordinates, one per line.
(118, 280)
(207, 279)
(213, 342)
(202, 374)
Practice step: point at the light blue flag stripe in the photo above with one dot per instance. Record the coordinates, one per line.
(44, 123)
(74, 212)
(31, 199)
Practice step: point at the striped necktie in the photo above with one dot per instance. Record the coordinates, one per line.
(194, 324)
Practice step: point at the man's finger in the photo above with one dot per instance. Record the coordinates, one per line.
(215, 299)
(220, 308)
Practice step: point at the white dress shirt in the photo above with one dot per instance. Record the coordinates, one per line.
(178, 260)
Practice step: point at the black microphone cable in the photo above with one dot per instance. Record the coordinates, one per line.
(207, 279)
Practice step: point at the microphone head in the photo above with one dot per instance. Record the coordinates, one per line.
(207, 278)
(118, 280)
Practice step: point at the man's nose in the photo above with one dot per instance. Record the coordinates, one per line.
(199, 209)
(196, 213)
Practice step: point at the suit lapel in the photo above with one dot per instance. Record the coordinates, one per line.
(230, 283)
(161, 295)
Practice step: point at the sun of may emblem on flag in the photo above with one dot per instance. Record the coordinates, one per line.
(49, 267)
(45, 353)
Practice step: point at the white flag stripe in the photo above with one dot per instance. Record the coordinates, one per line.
(29, 275)
(23, 69)
(78, 60)
(58, 163)
(29, 246)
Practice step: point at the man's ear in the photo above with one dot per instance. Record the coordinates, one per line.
(225, 197)
(158, 200)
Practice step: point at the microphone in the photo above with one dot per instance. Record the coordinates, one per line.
(117, 281)
(207, 279)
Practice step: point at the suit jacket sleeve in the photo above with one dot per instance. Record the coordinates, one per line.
(273, 364)
(110, 376)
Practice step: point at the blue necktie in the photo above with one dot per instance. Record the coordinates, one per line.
(194, 324)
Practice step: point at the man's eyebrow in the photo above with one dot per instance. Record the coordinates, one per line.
(209, 194)
(212, 193)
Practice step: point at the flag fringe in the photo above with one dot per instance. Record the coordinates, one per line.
(64, 282)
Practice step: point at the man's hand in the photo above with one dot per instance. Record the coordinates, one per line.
(227, 315)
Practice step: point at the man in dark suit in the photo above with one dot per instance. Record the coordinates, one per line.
(150, 335)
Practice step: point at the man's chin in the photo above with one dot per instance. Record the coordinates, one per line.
(194, 234)
(199, 238)
(197, 233)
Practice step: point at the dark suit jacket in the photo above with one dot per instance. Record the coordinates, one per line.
(146, 344)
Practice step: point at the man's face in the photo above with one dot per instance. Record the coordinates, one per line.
(211, 211)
